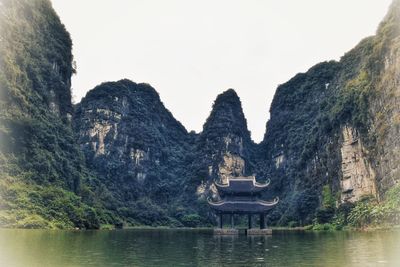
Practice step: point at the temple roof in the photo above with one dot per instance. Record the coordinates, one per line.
(242, 185)
(258, 206)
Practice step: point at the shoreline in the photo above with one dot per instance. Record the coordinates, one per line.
(202, 229)
(274, 228)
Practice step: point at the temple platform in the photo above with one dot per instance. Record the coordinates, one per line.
(234, 231)
(255, 231)
(226, 231)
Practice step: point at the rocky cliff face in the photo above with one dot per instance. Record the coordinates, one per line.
(224, 147)
(42, 169)
(336, 125)
(297, 154)
(384, 105)
(141, 152)
(35, 73)
(134, 144)
(377, 88)
(358, 177)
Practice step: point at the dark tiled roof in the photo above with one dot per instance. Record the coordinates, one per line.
(258, 206)
(242, 185)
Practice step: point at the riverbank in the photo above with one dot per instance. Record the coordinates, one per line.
(308, 228)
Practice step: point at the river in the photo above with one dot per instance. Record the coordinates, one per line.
(197, 248)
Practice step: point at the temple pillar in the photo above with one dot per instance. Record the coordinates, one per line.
(220, 222)
(262, 221)
(250, 222)
(232, 221)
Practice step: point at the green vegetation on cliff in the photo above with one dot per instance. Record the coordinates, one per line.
(139, 152)
(304, 150)
(42, 169)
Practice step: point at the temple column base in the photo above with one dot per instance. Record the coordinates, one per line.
(255, 231)
(226, 231)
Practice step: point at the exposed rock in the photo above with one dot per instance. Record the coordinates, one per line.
(279, 160)
(133, 143)
(224, 146)
(231, 165)
(294, 154)
(138, 155)
(385, 106)
(337, 125)
(358, 178)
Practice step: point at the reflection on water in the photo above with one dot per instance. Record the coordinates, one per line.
(196, 248)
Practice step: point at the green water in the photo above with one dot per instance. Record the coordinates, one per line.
(196, 248)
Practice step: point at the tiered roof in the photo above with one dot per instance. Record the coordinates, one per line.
(241, 195)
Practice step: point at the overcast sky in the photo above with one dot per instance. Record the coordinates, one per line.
(190, 51)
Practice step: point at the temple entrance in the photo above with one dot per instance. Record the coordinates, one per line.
(239, 220)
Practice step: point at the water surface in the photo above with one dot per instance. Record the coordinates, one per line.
(196, 248)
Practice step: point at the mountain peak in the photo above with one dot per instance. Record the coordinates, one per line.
(227, 116)
(230, 92)
(228, 96)
(124, 87)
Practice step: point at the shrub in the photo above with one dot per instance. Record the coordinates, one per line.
(392, 205)
(328, 199)
(191, 220)
(326, 212)
(361, 214)
(323, 227)
(33, 221)
(293, 224)
(325, 215)
(308, 227)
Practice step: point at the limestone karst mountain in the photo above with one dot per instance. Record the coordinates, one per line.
(145, 157)
(224, 148)
(332, 140)
(43, 179)
(337, 126)
(135, 146)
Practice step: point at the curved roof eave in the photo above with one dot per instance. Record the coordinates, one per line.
(249, 203)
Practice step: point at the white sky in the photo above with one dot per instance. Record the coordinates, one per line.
(190, 51)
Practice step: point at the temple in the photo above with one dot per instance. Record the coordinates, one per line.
(242, 195)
